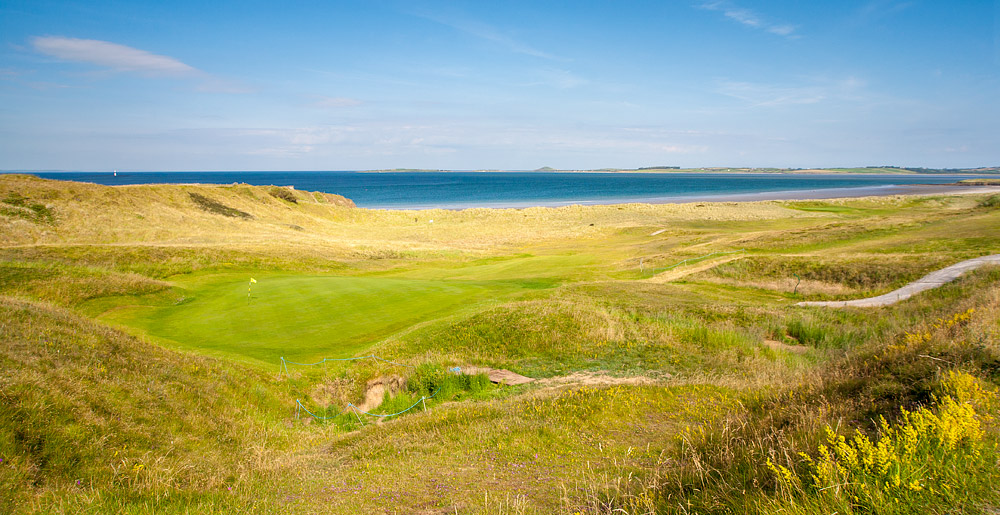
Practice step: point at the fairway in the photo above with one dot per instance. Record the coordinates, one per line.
(302, 318)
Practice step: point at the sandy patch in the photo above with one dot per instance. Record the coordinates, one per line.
(776, 345)
(376, 389)
(499, 375)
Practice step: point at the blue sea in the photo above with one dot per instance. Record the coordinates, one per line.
(458, 190)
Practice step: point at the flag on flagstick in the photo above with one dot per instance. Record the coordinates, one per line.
(252, 281)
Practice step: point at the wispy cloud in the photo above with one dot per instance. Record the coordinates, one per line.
(125, 59)
(880, 9)
(374, 139)
(492, 34)
(748, 17)
(336, 102)
(561, 79)
(813, 92)
(113, 56)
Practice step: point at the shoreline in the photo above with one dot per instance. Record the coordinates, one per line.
(883, 190)
(804, 195)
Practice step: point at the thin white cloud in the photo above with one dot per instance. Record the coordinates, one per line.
(812, 92)
(374, 139)
(561, 79)
(336, 102)
(748, 17)
(877, 10)
(764, 95)
(113, 56)
(492, 34)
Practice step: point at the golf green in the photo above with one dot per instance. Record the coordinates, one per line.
(302, 317)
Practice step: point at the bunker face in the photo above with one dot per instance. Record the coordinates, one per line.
(305, 317)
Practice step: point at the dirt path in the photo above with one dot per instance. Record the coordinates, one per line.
(927, 282)
(576, 378)
(677, 273)
(598, 379)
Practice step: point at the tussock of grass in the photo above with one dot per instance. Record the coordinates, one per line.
(214, 206)
(18, 206)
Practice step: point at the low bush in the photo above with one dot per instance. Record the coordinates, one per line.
(991, 202)
(283, 194)
(214, 206)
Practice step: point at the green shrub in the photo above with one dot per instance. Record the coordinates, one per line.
(426, 380)
(991, 202)
(283, 194)
(443, 384)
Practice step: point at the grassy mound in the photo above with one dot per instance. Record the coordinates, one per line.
(91, 414)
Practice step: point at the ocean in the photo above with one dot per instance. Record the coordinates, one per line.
(459, 190)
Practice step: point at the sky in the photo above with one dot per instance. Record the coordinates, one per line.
(350, 85)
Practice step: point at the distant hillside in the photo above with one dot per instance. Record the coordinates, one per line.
(722, 169)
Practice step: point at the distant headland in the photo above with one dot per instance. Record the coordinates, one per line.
(884, 169)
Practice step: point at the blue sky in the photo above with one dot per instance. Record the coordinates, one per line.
(333, 85)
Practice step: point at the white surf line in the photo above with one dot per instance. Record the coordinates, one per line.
(927, 282)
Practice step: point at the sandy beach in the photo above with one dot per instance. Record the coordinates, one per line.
(817, 194)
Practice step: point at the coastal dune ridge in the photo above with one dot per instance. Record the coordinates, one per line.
(461, 190)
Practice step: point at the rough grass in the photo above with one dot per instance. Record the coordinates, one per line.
(69, 285)
(661, 397)
(826, 278)
(87, 410)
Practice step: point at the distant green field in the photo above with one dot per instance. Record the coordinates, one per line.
(299, 317)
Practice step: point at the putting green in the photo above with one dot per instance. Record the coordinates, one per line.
(302, 317)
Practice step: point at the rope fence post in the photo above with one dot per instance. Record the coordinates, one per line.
(355, 410)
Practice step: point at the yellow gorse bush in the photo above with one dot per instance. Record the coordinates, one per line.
(958, 319)
(926, 449)
(917, 338)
